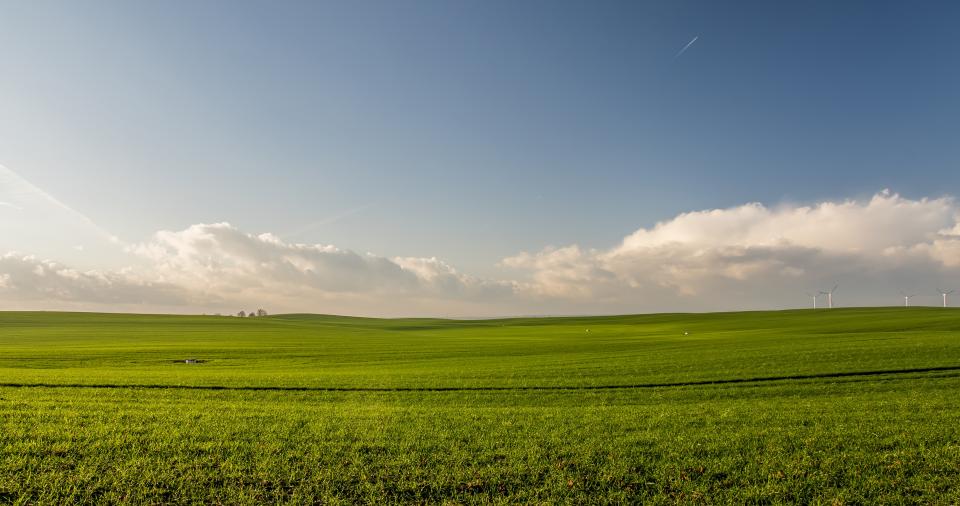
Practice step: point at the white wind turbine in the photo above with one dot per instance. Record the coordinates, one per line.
(906, 298)
(814, 297)
(830, 296)
(944, 294)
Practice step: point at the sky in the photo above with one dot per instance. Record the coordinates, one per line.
(476, 158)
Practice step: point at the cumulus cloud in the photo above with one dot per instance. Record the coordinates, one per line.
(720, 254)
(219, 258)
(30, 279)
(885, 221)
(218, 265)
(442, 279)
(744, 257)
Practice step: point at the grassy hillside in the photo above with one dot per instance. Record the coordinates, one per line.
(848, 405)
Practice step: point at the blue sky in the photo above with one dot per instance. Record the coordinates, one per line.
(467, 131)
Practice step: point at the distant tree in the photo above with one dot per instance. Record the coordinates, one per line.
(251, 314)
(242, 314)
(261, 312)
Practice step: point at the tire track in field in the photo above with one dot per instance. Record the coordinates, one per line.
(637, 386)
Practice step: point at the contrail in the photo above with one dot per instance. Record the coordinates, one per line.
(14, 206)
(20, 187)
(687, 46)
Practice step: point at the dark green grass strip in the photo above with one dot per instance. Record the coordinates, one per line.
(496, 389)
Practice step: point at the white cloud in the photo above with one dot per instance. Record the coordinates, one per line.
(28, 279)
(443, 279)
(217, 266)
(868, 228)
(220, 258)
(222, 261)
(749, 256)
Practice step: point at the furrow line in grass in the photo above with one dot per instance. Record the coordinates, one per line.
(796, 377)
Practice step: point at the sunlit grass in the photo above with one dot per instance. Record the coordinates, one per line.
(888, 434)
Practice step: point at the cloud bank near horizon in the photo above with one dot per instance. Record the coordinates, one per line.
(722, 250)
(744, 257)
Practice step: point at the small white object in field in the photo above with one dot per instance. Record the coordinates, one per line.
(686, 333)
(588, 330)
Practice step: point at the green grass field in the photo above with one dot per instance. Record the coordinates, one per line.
(851, 406)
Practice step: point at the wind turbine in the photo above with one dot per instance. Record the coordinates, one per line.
(830, 296)
(944, 294)
(814, 297)
(906, 299)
